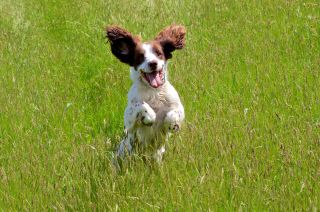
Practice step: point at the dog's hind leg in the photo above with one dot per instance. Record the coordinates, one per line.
(125, 147)
(159, 154)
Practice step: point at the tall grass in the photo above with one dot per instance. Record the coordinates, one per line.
(249, 79)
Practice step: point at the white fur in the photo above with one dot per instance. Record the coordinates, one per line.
(149, 57)
(151, 114)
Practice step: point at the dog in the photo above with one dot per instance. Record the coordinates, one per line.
(154, 109)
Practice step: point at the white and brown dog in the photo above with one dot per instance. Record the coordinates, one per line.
(154, 109)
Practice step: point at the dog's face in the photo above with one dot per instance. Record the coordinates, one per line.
(148, 58)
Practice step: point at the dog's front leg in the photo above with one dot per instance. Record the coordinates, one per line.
(174, 118)
(136, 114)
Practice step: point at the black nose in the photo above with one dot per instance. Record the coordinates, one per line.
(153, 65)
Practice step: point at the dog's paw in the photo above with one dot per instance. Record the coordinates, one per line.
(148, 116)
(172, 121)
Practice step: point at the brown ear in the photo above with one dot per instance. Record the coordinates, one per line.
(123, 44)
(172, 38)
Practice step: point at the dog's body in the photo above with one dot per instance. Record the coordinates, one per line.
(154, 109)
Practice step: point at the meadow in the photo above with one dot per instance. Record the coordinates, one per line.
(249, 79)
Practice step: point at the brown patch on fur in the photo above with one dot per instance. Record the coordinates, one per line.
(138, 56)
(157, 49)
(128, 48)
(171, 38)
(123, 44)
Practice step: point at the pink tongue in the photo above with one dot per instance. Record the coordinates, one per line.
(154, 79)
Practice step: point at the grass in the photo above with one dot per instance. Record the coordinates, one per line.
(249, 79)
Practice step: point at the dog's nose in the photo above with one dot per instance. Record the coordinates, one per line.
(153, 65)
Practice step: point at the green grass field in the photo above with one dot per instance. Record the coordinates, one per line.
(249, 79)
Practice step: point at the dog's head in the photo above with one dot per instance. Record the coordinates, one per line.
(147, 58)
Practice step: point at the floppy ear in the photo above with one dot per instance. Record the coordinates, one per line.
(171, 38)
(123, 43)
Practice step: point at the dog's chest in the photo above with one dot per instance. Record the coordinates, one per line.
(157, 100)
(160, 100)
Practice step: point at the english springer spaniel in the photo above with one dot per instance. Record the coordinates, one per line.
(154, 110)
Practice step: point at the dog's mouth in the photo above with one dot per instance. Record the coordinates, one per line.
(155, 78)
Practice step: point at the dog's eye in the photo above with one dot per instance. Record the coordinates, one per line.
(140, 57)
(157, 52)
